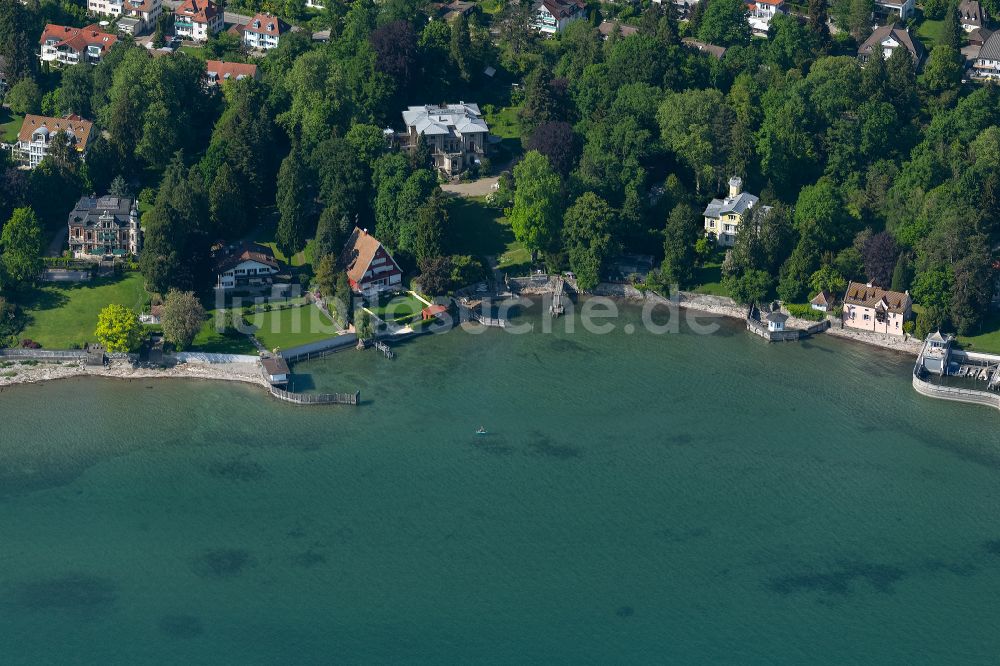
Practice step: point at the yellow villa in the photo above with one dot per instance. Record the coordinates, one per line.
(723, 216)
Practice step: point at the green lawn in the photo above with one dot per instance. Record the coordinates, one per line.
(194, 51)
(482, 231)
(708, 280)
(930, 33)
(504, 122)
(291, 327)
(211, 341)
(398, 308)
(516, 260)
(266, 237)
(10, 125)
(64, 315)
(988, 341)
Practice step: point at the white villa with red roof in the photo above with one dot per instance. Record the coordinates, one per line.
(369, 266)
(197, 20)
(760, 13)
(263, 32)
(134, 16)
(69, 46)
(248, 265)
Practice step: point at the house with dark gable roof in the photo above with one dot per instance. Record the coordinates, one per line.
(369, 266)
(552, 16)
(245, 266)
(971, 15)
(868, 307)
(987, 63)
(890, 38)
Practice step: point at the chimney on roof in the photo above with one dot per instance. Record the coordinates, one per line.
(735, 186)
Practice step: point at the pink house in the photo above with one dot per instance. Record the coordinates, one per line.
(871, 308)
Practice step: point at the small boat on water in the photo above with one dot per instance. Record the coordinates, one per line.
(481, 431)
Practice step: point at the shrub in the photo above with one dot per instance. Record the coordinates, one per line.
(804, 311)
(28, 343)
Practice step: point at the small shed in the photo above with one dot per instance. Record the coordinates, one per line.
(275, 370)
(433, 311)
(776, 321)
(823, 301)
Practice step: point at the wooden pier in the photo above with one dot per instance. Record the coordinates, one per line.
(472, 310)
(557, 308)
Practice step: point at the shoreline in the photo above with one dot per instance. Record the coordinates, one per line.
(715, 305)
(249, 373)
(245, 373)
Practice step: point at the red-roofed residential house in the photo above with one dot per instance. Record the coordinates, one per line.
(220, 71)
(37, 132)
(263, 32)
(197, 20)
(69, 46)
(760, 13)
(370, 268)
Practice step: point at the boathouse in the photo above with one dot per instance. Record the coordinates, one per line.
(276, 370)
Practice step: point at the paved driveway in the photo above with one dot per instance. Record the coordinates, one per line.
(477, 188)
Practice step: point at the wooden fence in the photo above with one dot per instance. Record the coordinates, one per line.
(317, 398)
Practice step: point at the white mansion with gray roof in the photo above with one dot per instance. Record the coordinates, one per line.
(724, 216)
(456, 134)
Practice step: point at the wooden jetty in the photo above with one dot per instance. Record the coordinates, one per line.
(384, 348)
(557, 308)
(473, 310)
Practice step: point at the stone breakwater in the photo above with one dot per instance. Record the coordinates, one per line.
(21, 373)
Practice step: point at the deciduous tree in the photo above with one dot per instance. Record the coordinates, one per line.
(119, 329)
(22, 246)
(182, 318)
(535, 215)
(587, 236)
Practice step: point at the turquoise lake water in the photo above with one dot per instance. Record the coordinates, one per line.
(639, 499)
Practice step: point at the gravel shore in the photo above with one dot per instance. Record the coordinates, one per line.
(28, 374)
